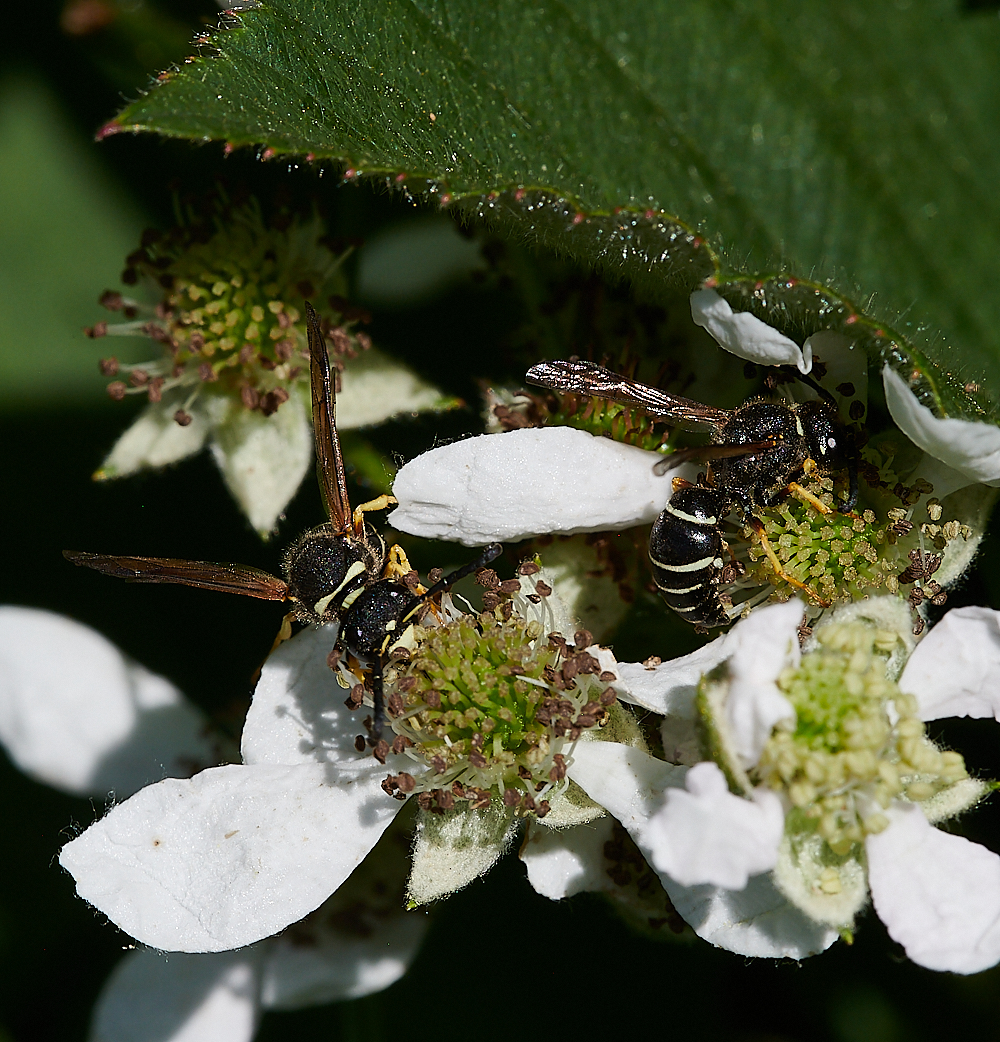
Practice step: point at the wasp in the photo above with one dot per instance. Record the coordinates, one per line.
(340, 571)
(758, 453)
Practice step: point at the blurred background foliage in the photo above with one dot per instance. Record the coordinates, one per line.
(500, 961)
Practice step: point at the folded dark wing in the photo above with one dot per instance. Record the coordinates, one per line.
(329, 460)
(586, 378)
(206, 575)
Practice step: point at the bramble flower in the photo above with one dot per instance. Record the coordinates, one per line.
(817, 783)
(78, 715)
(915, 530)
(486, 711)
(233, 371)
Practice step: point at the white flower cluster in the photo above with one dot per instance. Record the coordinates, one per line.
(789, 781)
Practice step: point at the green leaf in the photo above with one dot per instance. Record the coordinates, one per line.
(856, 143)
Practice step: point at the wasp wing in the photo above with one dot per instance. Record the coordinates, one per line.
(206, 575)
(588, 379)
(707, 453)
(329, 459)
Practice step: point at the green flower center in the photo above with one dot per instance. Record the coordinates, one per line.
(231, 317)
(493, 709)
(846, 557)
(857, 742)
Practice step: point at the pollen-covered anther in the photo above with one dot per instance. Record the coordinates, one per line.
(842, 557)
(492, 707)
(232, 291)
(857, 742)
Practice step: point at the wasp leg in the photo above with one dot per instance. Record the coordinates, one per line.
(491, 553)
(370, 507)
(378, 700)
(284, 633)
(758, 526)
(398, 565)
(807, 497)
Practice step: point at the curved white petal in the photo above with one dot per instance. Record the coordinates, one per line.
(757, 921)
(154, 997)
(938, 895)
(763, 644)
(376, 388)
(232, 855)
(156, 439)
(955, 669)
(298, 713)
(704, 834)
(745, 335)
(671, 687)
(628, 783)
(327, 961)
(564, 862)
(525, 483)
(263, 459)
(75, 713)
(966, 445)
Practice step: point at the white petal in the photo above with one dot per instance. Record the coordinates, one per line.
(670, 687)
(298, 713)
(563, 862)
(966, 445)
(938, 895)
(332, 966)
(231, 855)
(704, 834)
(745, 335)
(846, 364)
(525, 483)
(156, 439)
(764, 643)
(375, 388)
(77, 714)
(955, 669)
(626, 781)
(153, 997)
(263, 459)
(357, 942)
(757, 921)
(554, 613)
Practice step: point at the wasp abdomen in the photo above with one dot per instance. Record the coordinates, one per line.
(686, 550)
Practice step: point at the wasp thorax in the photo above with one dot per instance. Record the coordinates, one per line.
(488, 708)
(327, 570)
(857, 742)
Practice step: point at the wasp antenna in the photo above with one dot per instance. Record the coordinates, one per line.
(329, 459)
